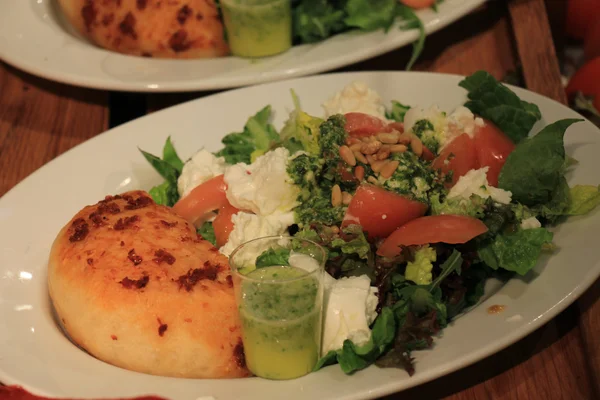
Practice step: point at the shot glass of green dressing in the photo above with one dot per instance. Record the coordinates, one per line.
(278, 283)
(257, 28)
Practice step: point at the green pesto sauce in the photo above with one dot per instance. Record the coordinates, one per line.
(281, 323)
(257, 28)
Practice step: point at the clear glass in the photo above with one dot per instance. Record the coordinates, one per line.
(258, 28)
(280, 300)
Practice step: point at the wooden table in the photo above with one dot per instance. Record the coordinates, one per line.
(40, 120)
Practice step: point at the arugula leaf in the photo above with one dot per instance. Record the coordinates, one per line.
(370, 15)
(496, 102)
(315, 20)
(516, 252)
(165, 169)
(584, 198)
(255, 140)
(452, 264)
(208, 232)
(412, 21)
(272, 257)
(534, 169)
(170, 155)
(397, 112)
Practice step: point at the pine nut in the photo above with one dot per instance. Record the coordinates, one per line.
(416, 146)
(389, 138)
(359, 172)
(347, 155)
(383, 153)
(378, 165)
(372, 180)
(370, 159)
(398, 148)
(346, 198)
(405, 138)
(388, 170)
(356, 147)
(352, 140)
(335, 229)
(360, 157)
(336, 196)
(371, 147)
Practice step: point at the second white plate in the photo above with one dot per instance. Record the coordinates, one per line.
(33, 37)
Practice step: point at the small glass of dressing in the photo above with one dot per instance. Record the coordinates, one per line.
(257, 28)
(278, 283)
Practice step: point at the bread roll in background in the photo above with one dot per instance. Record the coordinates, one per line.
(150, 28)
(135, 286)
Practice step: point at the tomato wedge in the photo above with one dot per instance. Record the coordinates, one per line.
(586, 80)
(380, 212)
(203, 199)
(492, 147)
(222, 223)
(450, 229)
(361, 125)
(458, 156)
(418, 3)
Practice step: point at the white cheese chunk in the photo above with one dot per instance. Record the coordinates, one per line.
(530, 223)
(349, 310)
(201, 167)
(355, 97)
(475, 182)
(263, 187)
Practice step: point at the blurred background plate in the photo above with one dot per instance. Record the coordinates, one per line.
(34, 38)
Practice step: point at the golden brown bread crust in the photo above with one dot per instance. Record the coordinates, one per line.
(150, 28)
(135, 286)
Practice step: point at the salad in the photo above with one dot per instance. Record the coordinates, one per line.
(416, 208)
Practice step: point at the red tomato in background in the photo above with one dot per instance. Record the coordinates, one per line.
(203, 199)
(361, 125)
(587, 81)
(380, 212)
(492, 147)
(458, 156)
(223, 225)
(581, 14)
(591, 44)
(452, 229)
(418, 3)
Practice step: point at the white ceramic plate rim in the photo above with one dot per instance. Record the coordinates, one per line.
(330, 382)
(53, 53)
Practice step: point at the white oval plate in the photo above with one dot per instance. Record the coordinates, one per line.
(34, 353)
(35, 38)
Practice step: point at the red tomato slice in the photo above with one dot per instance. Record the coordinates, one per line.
(418, 3)
(399, 126)
(427, 154)
(361, 125)
(492, 147)
(586, 79)
(223, 225)
(202, 200)
(450, 229)
(458, 156)
(380, 212)
(581, 14)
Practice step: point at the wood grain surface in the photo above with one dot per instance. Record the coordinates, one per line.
(40, 120)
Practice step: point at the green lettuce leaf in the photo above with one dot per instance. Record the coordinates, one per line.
(170, 155)
(397, 112)
(533, 171)
(370, 15)
(518, 252)
(255, 140)
(165, 194)
(419, 270)
(273, 257)
(473, 207)
(208, 232)
(169, 167)
(584, 198)
(496, 102)
(354, 242)
(315, 20)
(301, 131)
